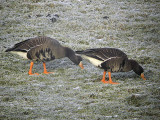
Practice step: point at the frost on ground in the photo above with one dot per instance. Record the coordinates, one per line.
(71, 93)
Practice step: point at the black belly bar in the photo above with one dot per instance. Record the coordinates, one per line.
(44, 55)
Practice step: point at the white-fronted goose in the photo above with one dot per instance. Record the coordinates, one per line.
(44, 49)
(111, 60)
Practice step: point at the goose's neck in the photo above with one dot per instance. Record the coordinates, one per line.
(71, 55)
(136, 67)
(127, 66)
(69, 52)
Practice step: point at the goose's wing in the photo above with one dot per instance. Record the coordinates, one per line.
(103, 54)
(28, 44)
(114, 64)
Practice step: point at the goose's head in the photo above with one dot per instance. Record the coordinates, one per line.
(137, 68)
(73, 57)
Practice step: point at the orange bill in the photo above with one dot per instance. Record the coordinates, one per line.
(142, 76)
(81, 65)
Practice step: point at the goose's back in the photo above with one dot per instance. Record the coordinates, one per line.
(39, 48)
(103, 53)
(32, 43)
(110, 59)
(48, 49)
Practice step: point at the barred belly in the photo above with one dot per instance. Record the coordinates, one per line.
(44, 55)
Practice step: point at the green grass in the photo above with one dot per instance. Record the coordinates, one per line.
(72, 93)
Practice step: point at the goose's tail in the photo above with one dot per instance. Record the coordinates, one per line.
(79, 52)
(9, 49)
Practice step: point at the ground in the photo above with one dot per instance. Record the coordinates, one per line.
(71, 93)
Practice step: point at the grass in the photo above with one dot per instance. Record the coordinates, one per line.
(72, 93)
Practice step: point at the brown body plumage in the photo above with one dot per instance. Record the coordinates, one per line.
(111, 60)
(44, 49)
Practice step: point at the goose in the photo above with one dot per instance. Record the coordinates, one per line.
(111, 60)
(43, 49)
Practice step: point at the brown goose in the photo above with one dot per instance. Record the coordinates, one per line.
(44, 49)
(111, 60)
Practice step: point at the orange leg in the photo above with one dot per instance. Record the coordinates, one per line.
(30, 70)
(110, 79)
(45, 70)
(103, 79)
